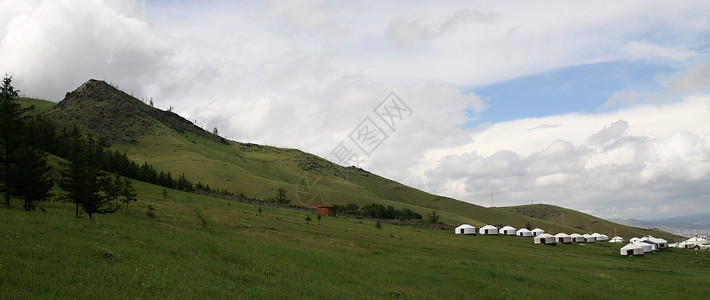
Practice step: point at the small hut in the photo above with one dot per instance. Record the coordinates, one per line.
(465, 229)
(537, 231)
(507, 230)
(524, 232)
(326, 211)
(577, 238)
(545, 239)
(488, 229)
(563, 238)
(632, 250)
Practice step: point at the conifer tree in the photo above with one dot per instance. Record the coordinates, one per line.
(82, 180)
(34, 178)
(128, 193)
(12, 136)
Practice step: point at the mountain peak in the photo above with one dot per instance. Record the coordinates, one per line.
(105, 111)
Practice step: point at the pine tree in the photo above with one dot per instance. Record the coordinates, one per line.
(12, 136)
(34, 178)
(128, 193)
(82, 180)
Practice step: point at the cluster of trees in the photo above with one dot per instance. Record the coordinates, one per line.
(25, 141)
(24, 172)
(377, 211)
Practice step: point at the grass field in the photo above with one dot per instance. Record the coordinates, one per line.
(201, 247)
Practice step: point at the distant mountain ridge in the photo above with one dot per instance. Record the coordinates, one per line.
(172, 143)
(688, 226)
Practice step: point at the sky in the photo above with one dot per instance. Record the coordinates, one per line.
(598, 106)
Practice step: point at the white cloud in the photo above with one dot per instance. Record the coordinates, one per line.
(590, 163)
(403, 32)
(644, 49)
(696, 77)
(620, 98)
(51, 47)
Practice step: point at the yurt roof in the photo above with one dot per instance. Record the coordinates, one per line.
(545, 235)
(537, 230)
(574, 235)
(489, 227)
(562, 234)
(523, 230)
(631, 246)
(464, 226)
(696, 239)
(508, 228)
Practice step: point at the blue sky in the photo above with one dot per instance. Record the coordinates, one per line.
(597, 106)
(575, 89)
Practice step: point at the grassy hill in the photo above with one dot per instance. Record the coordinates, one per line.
(171, 143)
(200, 247)
(582, 222)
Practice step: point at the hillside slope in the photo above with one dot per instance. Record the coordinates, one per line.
(582, 222)
(194, 246)
(171, 143)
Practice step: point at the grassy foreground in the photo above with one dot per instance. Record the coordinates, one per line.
(201, 247)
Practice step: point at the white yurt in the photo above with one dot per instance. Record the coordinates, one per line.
(545, 239)
(524, 232)
(596, 236)
(632, 249)
(588, 238)
(507, 230)
(537, 231)
(617, 239)
(694, 242)
(465, 229)
(577, 238)
(634, 240)
(488, 229)
(563, 238)
(646, 247)
(600, 237)
(661, 244)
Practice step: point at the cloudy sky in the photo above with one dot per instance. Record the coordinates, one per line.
(598, 106)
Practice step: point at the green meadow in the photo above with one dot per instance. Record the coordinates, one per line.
(201, 247)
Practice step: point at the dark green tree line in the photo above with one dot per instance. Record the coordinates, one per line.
(23, 169)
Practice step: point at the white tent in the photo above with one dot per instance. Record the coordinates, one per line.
(488, 229)
(545, 239)
(563, 238)
(661, 244)
(577, 238)
(632, 249)
(634, 240)
(588, 238)
(507, 230)
(537, 231)
(616, 239)
(465, 229)
(694, 242)
(646, 247)
(524, 232)
(600, 237)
